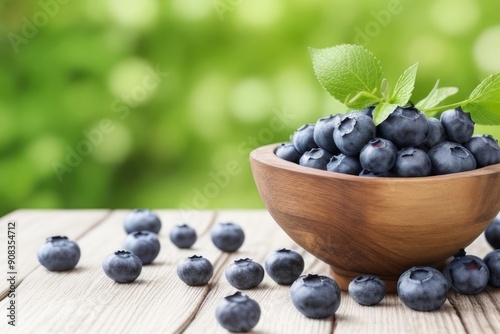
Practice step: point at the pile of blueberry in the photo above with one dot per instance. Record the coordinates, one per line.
(406, 144)
(315, 296)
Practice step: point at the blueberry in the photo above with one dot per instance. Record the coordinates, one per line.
(368, 111)
(144, 244)
(449, 157)
(412, 162)
(316, 158)
(323, 132)
(353, 133)
(287, 151)
(195, 270)
(142, 220)
(467, 273)
(244, 274)
(343, 164)
(58, 253)
(367, 290)
(303, 138)
(315, 296)
(405, 127)
(492, 260)
(485, 149)
(237, 313)
(122, 266)
(422, 288)
(436, 134)
(378, 156)
(458, 125)
(183, 236)
(228, 237)
(284, 266)
(492, 233)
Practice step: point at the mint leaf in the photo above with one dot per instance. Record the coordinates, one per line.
(346, 71)
(404, 86)
(382, 111)
(384, 89)
(362, 100)
(484, 101)
(435, 97)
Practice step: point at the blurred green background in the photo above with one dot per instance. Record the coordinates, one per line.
(86, 122)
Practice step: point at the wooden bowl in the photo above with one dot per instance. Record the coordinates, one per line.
(379, 226)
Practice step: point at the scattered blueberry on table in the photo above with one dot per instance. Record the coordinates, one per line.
(228, 237)
(284, 266)
(142, 220)
(423, 288)
(195, 270)
(144, 244)
(492, 260)
(467, 273)
(367, 290)
(183, 236)
(58, 253)
(237, 313)
(244, 274)
(122, 266)
(315, 296)
(492, 233)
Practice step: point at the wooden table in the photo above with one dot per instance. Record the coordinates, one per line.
(85, 300)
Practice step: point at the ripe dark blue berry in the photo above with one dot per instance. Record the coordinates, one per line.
(412, 162)
(284, 266)
(485, 149)
(58, 253)
(492, 233)
(436, 134)
(142, 220)
(122, 266)
(367, 290)
(144, 244)
(287, 151)
(422, 288)
(405, 127)
(195, 270)
(378, 156)
(323, 132)
(183, 236)
(315, 296)
(303, 138)
(492, 260)
(458, 125)
(244, 274)
(343, 164)
(237, 313)
(228, 237)
(449, 157)
(467, 273)
(316, 158)
(353, 133)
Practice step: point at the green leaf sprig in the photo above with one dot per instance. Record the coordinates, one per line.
(354, 76)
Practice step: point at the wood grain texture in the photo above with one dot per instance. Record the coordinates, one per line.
(86, 301)
(376, 225)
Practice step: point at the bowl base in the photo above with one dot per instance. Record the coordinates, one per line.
(344, 277)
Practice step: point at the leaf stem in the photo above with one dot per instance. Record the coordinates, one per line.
(443, 108)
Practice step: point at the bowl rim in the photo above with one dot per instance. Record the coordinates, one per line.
(266, 155)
